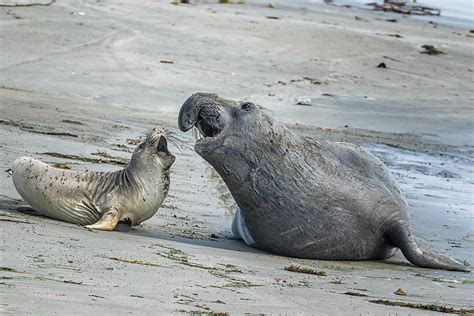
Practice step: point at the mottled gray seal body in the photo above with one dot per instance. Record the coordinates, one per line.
(99, 200)
(303, 197)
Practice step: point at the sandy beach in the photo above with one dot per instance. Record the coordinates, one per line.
(80, 81)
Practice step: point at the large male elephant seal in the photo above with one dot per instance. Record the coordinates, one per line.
(303, 197)
(100, 200)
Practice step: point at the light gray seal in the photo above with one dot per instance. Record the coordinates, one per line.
(303, 197)
(99, 200)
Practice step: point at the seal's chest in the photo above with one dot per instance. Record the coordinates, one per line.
(148, 202)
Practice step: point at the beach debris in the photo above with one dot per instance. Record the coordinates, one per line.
(392, 59)
(166, 61)
(98, 296)
(272, 17)
(431, 50)
(103, 153)
(118, 162)
(314, 80)
(391, 20)
(269, 5)
(303, 101)
(180, 257)
(13, 221)
(391, 35)
(455, 244)
(382, 65)
(400, 6)
(400, 292)
(122, 148)
(296, 80)
(133, 141)
(72, 282)
(327, 95)
(132, 261)
(205, 307)
(40, 4)
(61, 165)
(453, 281)
(31, 129)
(358, 18)
(219, 302)
(72, 122)
(136, 295)
(285, 283)
(230, 1)
(298, 269)
(355, 294)
(429, 307)
(338, 281)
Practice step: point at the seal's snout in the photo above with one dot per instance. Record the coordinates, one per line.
(154, 135)
(157, 138)
(189, 112)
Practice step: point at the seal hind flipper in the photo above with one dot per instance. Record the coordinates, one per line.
(401, 238)
(108, 221)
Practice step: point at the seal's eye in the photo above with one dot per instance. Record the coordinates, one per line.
(247, 106)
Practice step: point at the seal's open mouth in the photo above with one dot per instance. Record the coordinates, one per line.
(156, 137)
(208, 126)
(162, 146)
(210, 115)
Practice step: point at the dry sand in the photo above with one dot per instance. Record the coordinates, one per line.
(81, 77)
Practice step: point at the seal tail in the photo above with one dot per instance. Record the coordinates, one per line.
(401, 238)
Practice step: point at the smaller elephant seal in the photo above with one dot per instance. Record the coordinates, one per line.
(303, 197)
(100, 200)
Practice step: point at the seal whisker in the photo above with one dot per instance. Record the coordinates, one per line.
(175, 144)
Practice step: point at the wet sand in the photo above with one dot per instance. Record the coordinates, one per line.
(81, 79)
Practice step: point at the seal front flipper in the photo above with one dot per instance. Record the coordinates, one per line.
(108, 221)
(400, 237)
(240, 230)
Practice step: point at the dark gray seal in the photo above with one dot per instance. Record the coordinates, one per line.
(100, 200)
(303, 197)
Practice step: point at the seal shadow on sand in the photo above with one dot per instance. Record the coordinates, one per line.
(14, 207)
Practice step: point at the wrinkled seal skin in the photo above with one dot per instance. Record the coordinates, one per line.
(303, 197)
(100, 200)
